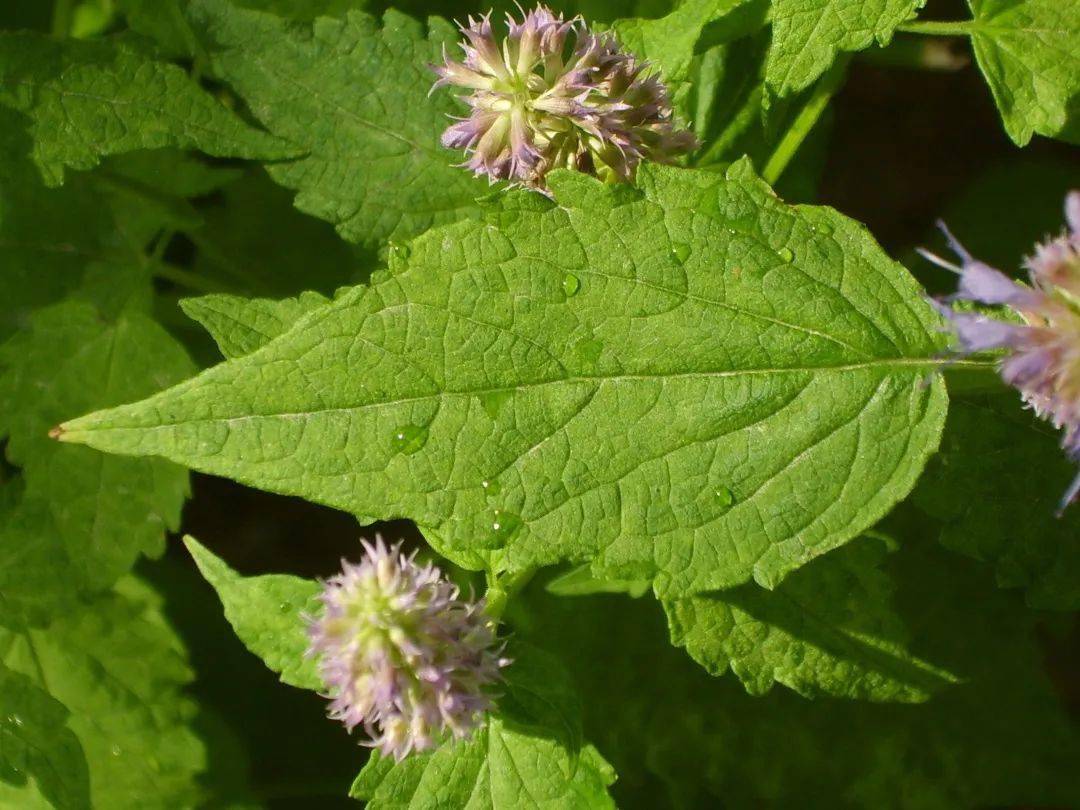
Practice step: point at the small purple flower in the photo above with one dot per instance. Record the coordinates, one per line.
(402, 654)
(1042, 343)
(556, 95)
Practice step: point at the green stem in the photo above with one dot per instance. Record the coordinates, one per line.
(61, 18)
(806, 120)
(185, 278)
(938, 28)
(502, 589)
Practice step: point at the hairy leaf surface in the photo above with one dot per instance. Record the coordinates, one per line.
(829, 629)
(353, 93)
(731, 387)
(87, 99)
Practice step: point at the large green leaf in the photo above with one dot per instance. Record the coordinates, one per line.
(354, 95)
(829, 629)
(83, 517)
(85, 99)
(1029, 52)
(36, 743)
(808, 34)
(692, 382)
(119, 669)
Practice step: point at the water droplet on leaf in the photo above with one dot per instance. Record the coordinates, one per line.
(681, 252)
(724, 496)
(504, 525)
(571, 284)
(284, 607)
(116, 750)
(491, 488)
(786, 254)
(409, 439)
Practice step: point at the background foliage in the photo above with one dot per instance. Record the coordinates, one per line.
(704, 409)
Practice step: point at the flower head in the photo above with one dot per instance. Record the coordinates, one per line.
(556, 95)
(401, 653)
(1042, 343)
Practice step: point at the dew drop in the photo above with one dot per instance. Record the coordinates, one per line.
(14, 720)
(786, 254)
(571, 284)
(491, 488)
(493, 402)
(825, 229)
(284, 607)
(724, 496)
(116, 750)
(681, 252)
(409, 439)
(504, 525)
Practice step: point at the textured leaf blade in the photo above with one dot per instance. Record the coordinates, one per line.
(239, 326)
(829, 629)
(808, 34)
(119, 670)
(88, 99)
(701, 412)
(82, 518)
(333, 90)
(266, 613)
(35, 742)
(1029, 53)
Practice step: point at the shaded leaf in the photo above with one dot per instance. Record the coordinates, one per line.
(332, 89)
(807, 35)
(88, 99)
(829, 629)
(239, 326)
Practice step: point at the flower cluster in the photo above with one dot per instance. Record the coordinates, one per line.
(553, 96)
(402, 654)
(1042, 342)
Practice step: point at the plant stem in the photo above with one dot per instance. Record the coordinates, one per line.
(502, 589)
(61, 18)
(940, 28)
(806, 119)
(185, 278)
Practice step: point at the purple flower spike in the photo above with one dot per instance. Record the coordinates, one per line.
(556, 95)
(1042, 339)
(402, 654)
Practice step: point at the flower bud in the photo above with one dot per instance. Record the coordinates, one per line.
(554, 96)
(402, 654)
(1042, 344)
